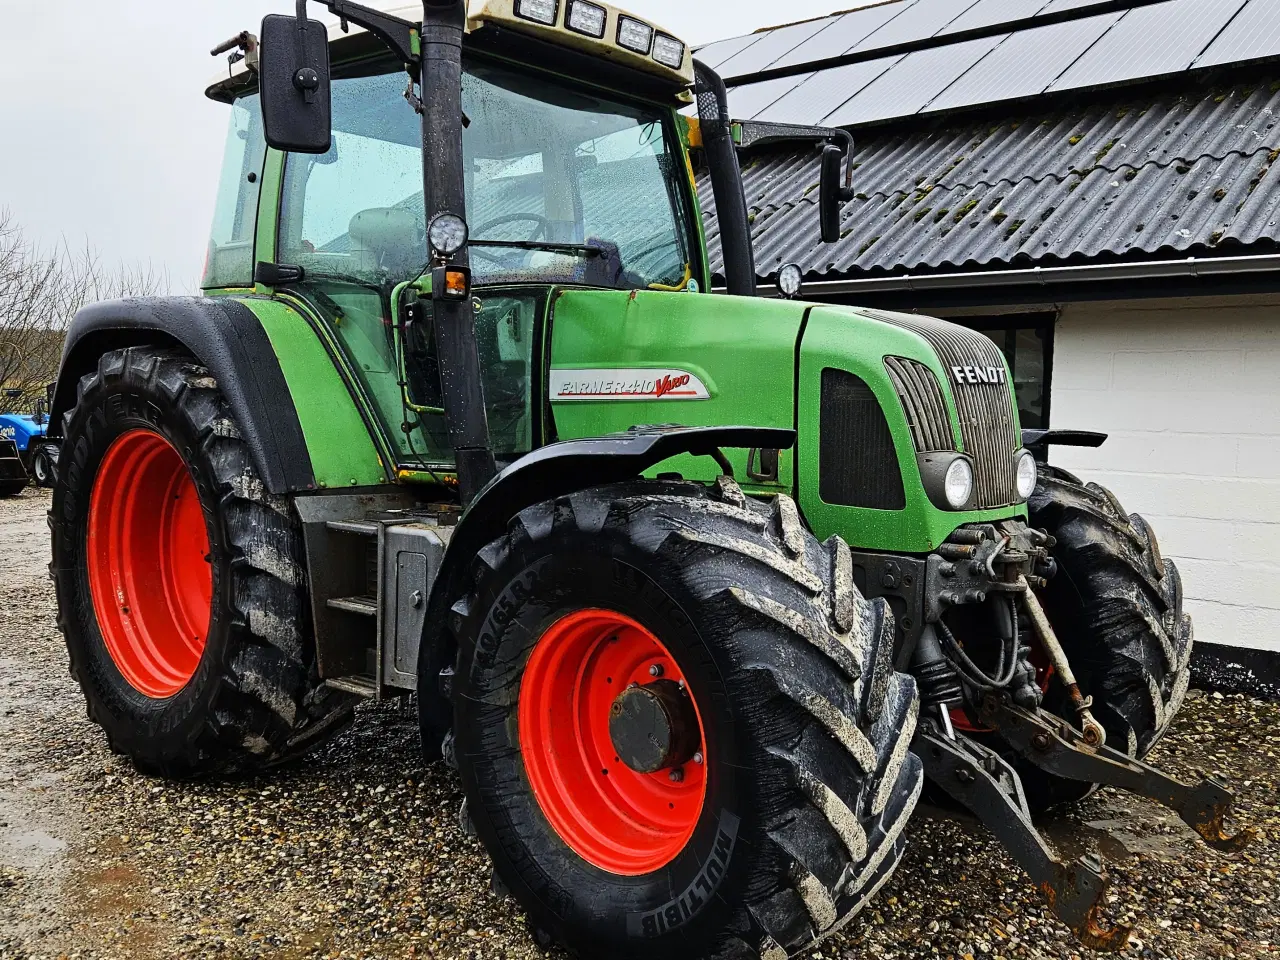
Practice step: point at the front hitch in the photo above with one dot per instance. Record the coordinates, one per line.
(1057, 748)
(981, 781)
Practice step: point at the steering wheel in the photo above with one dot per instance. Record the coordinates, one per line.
(509, 259)
(541, 221)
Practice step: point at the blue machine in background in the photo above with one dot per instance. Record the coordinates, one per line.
(28, 434)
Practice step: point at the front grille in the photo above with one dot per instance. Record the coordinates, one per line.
(922, 401)
(985, 409)
(858, 465)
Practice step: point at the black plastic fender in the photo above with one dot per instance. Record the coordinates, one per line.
(225, 336)
(550, 472)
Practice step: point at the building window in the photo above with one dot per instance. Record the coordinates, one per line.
(1027, 342)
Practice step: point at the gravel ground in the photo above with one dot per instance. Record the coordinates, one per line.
(356, 852)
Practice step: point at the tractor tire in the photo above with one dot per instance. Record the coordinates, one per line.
(44, 464)
(12, 488)
(786, 819)
(181, 582)
(1116, 606)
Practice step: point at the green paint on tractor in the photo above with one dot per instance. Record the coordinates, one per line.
(342, 451)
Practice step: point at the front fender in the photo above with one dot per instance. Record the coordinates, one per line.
(552, 471)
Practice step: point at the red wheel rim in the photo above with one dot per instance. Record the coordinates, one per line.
(148, 564)
(617, 819)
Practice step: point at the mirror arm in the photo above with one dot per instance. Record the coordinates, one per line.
(846, 192)
(399, 35)
(754, 133)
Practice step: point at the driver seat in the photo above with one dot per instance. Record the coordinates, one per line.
(387, 238)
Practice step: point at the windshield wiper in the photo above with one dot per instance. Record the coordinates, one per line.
(581, 249)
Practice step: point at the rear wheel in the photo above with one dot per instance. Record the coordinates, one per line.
(678, 725)
(181, 581)
(1116, 606)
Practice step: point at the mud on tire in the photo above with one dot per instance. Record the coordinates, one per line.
(806, 723)
(255, 698)
(1116, 605)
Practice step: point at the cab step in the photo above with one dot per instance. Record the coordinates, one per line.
(364, 606)
(371, 561)
(362, 686)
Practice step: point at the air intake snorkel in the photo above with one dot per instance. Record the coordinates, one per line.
(726, 181)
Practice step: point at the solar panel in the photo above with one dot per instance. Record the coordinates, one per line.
(845, 33)
(912, 83)
(771, 46)
(1254, 33)
(1057, 6)
(987, 13)
(921, 20)
(823, 92)
(714, 54)
(1025, 64)
(1151, 41)
(746, 101)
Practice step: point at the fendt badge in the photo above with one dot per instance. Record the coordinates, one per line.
(965, 375)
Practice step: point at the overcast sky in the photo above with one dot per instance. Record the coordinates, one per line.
(105, 133)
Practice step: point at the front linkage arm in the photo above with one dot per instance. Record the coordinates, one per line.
(1060, 749)
(980, 780)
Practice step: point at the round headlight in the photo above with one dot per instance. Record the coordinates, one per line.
(958, 485)
(448, 234)
(790, 280)
(1028, 473)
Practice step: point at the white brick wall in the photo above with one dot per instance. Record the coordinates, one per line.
(1190, 393)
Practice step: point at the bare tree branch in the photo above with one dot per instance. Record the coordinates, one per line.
(40, 292)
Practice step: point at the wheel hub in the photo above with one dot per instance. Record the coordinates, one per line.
(654, 727)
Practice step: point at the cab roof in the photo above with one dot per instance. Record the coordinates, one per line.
(492, 16)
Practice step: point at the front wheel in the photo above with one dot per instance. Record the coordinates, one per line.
(1116, 606)
(678, 726)
(181, 582)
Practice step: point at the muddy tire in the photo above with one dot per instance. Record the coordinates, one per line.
(181, 582)
(1116, 605)
(794, 803)
(44, 464)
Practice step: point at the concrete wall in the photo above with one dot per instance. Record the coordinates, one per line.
(1190, 392)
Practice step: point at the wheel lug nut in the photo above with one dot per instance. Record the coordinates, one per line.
(697, 758)
(656, 670)
(677, 775)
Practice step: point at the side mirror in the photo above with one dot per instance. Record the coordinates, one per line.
(832, 193)
(295, 84)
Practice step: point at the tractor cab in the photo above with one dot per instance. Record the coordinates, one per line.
(576, 173)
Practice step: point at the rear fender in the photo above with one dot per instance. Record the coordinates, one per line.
(227, 338)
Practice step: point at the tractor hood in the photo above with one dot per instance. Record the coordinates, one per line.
(21, 429)
(869, 393)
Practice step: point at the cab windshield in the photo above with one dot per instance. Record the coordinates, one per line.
(563, 186)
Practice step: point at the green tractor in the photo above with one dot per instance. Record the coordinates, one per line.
(694, 591)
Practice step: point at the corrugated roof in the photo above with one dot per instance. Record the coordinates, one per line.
(1181, 175)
